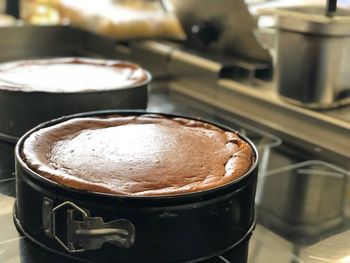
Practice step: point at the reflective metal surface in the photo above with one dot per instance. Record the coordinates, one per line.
(313, 70)
(311, 55)
(310, 198)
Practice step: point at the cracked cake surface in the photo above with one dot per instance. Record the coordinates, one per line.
(146, 155)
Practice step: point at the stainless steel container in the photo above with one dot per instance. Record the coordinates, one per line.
(312, 65)
(304, 198)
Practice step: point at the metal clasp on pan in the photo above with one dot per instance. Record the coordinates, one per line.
(90, 233)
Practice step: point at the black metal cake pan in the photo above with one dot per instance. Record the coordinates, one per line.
(100, 227)
(23, 110)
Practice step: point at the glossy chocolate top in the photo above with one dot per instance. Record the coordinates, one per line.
(147, 155)
(69, 75)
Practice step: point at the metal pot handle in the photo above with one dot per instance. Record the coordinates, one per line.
(90, 233)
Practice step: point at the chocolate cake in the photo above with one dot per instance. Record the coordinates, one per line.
(146, 155)
(66, 75)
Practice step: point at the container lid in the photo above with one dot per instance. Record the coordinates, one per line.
(313, 20)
